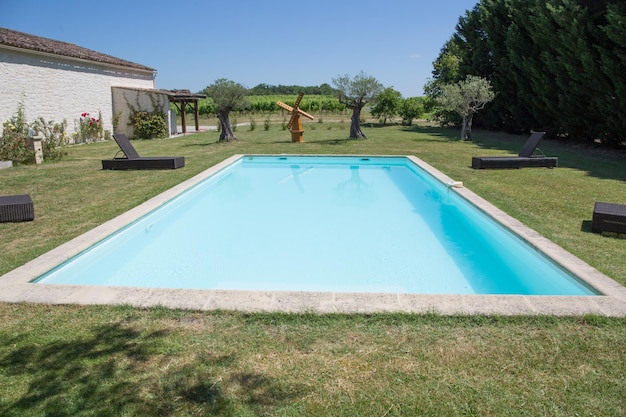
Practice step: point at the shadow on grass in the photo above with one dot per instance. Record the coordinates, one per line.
(214, 142)
(597, 160)
(435, 131)
(585, 226)
(108, 373)
(379, 124)
(341, 141)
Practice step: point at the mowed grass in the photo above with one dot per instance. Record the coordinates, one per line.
(116, 361)
(120, 361)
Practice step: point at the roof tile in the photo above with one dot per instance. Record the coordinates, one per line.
(37, 43)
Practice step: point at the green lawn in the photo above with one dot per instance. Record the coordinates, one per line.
(100, 360)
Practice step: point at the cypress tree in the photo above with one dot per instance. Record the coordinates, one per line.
(610, 101)
(557, 65)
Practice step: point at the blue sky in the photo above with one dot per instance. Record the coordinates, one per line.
(192, 43)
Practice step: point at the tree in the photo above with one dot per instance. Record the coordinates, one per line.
(466, 98)
(445, 71)
(355, 93)
(227, 95)
(411, 108)
(445, 68)
(387, 104)
(557, 65)
(612, 64)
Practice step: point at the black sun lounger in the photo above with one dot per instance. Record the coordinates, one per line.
(16, 208)
(132, 160)
(524, 159)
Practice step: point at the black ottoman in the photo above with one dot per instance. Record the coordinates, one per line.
(16, 208)
(609, 217)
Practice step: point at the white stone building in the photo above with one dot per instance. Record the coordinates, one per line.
(60, 81)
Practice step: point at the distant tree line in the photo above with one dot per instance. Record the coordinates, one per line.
(272, 90)
(555, 65)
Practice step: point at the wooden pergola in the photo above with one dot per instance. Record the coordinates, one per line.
(184, 99)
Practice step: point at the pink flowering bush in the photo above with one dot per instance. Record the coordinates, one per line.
(89, 128)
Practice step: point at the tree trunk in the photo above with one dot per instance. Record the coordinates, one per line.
(226, 134)
(466, 130)
(355, 127)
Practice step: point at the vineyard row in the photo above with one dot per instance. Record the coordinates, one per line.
(267, 104)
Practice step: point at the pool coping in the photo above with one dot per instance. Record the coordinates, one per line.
(15, 286)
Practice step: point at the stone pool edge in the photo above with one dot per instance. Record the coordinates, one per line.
(15, 286)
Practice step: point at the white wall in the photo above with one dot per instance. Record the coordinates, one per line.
(58, 88)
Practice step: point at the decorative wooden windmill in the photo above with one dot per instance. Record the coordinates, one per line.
(295, 124)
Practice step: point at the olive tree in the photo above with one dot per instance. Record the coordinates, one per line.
(355, 93)
(466, 98)
(227, 95)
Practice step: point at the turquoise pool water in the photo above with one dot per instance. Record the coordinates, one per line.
(348, 224)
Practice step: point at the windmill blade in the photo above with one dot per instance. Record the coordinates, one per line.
(284, 106)
(305, 114)
(298, 100)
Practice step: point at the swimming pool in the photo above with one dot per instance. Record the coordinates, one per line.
(320, 224)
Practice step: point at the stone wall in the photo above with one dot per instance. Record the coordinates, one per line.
(126, 99)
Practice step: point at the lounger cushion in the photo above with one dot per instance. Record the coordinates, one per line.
(531, 144)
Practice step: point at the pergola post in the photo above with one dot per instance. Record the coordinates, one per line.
(183, 115)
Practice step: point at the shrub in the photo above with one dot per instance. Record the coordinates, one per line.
(14, 140)
(148, 125)
(15, 145)
(55, 137)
